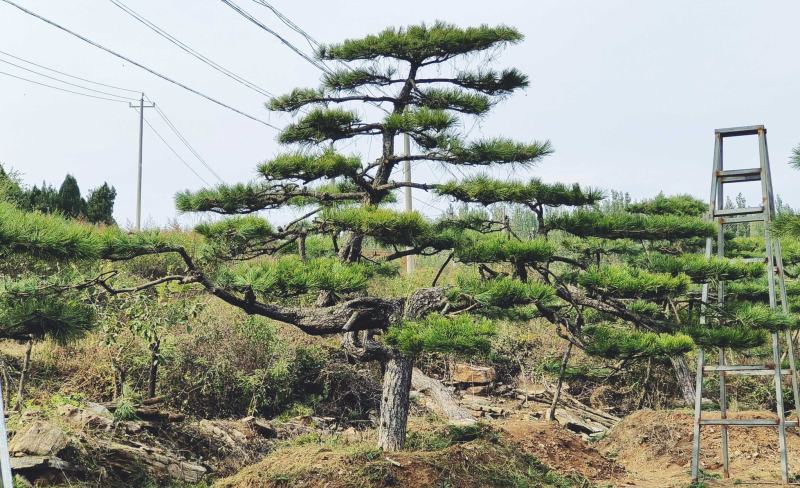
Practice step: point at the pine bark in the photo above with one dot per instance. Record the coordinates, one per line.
(685, 379)
(394, 403)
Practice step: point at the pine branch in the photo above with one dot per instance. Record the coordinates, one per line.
(631, 226)
(421, 44)
(486, 191)
(249, 198)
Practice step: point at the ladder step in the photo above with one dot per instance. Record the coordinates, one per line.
(732, 212)
(740, 131)
(738, 219)
(748, 422)
(739, 175)
(744, 369)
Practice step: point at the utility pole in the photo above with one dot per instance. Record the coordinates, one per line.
(409, 206)
(140, 108)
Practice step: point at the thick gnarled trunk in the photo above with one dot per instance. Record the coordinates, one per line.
(685, 379)
(394, 403)
(351, 252)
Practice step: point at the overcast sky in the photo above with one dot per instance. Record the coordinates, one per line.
(628, 92)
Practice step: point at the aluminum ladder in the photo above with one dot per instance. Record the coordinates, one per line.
(774, 263)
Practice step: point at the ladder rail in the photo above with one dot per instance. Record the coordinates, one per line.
(773, 260)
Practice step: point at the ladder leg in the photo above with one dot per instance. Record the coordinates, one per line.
(793, 369)
(776, 353)
(698, 400)
(723, 413)
(790, 338)
(5, 460)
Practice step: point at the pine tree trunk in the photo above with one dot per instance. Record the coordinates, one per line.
(25, 366)
(520, 271)
(155, 348)
(551, 414)
(685, 379)
(351, 251)
(394, 403)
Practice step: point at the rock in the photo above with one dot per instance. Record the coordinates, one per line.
(468, 399)
(290, 429)
(93, 416)
(40, 463)
(39, 439)
(578, 424)
(481, 390)
(230, 437)
(133, 457)
(324, 422)
(262, 426)
(466, 373)
(462, 422)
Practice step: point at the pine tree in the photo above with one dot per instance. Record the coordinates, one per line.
(10, 187)
(100, 205)
(787, 224)
(627, 282)
(70, 202)
(408, 73)
(44, 199)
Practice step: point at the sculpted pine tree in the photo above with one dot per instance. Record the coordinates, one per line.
(627, 283)
(408, 75)
(787, 224)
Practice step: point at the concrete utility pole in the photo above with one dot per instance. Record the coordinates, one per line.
(140, 108)
(409, 206)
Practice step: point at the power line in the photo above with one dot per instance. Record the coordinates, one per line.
(319, 64)
(62, 89)
(187, 144)
(175, 152)
(163, 77)
(260, 24)
(66, 82)
(67, 74)
(166, 35)
(428, 204)
(311, 41)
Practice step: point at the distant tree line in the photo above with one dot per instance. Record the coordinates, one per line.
(97, 207)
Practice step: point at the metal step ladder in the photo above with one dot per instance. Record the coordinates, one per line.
(774, 262)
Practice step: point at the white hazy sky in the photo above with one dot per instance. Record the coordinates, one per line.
(629, 92)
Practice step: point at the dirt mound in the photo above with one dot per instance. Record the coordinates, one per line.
(656, 448)
(474, 464)
(562, 450)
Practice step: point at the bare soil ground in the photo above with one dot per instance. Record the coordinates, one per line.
(655, 447)
(648, 449)
(562, 450)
